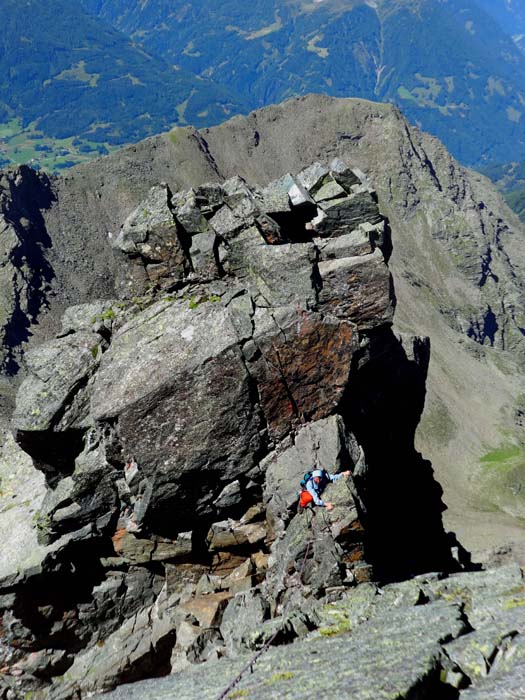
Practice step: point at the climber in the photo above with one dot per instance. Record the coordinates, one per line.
(314, 483)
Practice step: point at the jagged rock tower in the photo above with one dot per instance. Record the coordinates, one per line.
(251, 341)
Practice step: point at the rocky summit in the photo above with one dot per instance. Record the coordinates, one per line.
(251, 340)
(457, 264)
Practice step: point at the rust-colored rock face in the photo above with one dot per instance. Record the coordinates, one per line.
(303, 371)
(357, 289)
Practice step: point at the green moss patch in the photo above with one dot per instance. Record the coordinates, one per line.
(335, 630)
(501, 480)
(283, 676)
(338, 622)
(196, 301)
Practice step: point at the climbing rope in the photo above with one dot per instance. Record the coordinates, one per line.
(269, 642)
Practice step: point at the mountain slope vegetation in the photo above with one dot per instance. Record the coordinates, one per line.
(510, 15)
(72, 84)
(509, 178)
(452, 67)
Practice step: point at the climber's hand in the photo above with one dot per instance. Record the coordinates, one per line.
(329, 506)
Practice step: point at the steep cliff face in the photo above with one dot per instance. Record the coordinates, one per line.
(251, 342)
(458, 258)
(25, 272)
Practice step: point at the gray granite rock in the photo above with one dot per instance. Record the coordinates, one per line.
(204, 255)
(129, 652)
(242, 619)
(153, 244)
(226, 223)
(377, 662)
(87, 497)
(229, 534)
(308, 557)
(318, 445)
(346, 176)
(328, 189)
(145, 380)
(279, 275)
(232, 384)
(357, 288)
(188, 213)
(241, 198)
(97, 316)
(360, 241)
(275, 196)
(23, 488)
(344, 213)
(57, 371)
(507, 682)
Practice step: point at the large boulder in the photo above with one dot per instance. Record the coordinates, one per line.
(154, 244)
(175, 380)
(357, 289)
(301, 362)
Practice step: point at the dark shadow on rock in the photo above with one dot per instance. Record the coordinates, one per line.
(30, 193)
(53, 454)
(293, 223)
(382, 406)
(47, 603)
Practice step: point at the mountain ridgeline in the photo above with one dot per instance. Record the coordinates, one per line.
(190, 324)
(83, 77)
(452, 67)
(457, 263)
(251, 338)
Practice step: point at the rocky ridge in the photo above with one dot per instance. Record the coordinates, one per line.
(252, 339)
(432, 637)
(457, 262)
(143, 634)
